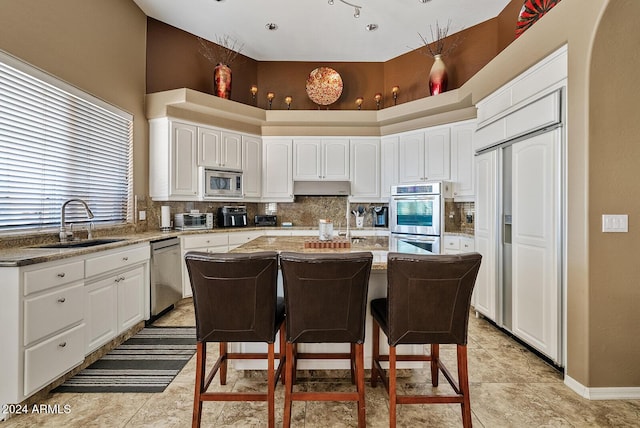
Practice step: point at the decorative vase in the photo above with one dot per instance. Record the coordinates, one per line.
(438, 76)
(222, 81)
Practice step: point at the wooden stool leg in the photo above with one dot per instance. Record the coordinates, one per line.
(201, 359)
(223, 363)
(463, 382)
(282, 353)
(392, 387)
(271, 385)
(375, 354)
(435, 362)
(353, 363)
(286, 417)
(359, 361)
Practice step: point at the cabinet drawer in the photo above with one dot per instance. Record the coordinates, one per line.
(116, 260)
(51, 358)
(467, 245)
(53, 311)
(203, 241)
(239, 238)
(451, 243)
(53, 276)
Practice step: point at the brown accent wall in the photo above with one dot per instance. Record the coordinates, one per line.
(98, 46)
(173, 61)
(507, 24)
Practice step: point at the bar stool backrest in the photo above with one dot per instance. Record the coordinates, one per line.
(234, 295)
(429, 297)
(326, 296)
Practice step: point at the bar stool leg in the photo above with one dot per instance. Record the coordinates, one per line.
(271, 386)
(375, 355)
(286, 417)
(201, 359)
(223, 363)
(392, 387)
(435, 363)
(359, 362)
(463, 382)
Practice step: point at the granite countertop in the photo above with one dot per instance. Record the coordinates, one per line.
(378, 245)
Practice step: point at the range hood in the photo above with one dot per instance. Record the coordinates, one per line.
(322, 188)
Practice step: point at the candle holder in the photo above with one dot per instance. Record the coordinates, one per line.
(270, 97)
(378, 98)
(395, 91)
(287, 101)
(254, 92)
(359, 102)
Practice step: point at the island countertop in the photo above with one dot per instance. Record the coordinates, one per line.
(378, 245)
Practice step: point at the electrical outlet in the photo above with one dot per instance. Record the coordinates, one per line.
(142, 215)
(615, 223)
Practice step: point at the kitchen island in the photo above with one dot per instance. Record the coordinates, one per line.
(379, 247)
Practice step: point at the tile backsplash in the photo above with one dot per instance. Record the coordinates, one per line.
(459, 217)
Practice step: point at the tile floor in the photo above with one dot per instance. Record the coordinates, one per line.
(510, 387)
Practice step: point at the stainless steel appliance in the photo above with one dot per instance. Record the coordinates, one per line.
(222, 183)
(266, 220)
(416, 215)
(193, 221)
(380, 217)
(166, 275)
(232, 216)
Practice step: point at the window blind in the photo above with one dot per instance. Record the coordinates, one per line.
(58, 143)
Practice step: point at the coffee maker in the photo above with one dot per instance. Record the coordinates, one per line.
(380, 216)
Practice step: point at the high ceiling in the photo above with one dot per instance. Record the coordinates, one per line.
(315, 30)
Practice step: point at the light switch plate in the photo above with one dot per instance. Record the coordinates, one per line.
(142, 215)
(615, 223)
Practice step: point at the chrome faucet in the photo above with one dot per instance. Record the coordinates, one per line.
(68, 236)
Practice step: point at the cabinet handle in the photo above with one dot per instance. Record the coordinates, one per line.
(124, 259)
(61, 275)
(62, 345)
(62, 300)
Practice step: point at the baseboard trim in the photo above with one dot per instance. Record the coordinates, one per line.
(606, 393)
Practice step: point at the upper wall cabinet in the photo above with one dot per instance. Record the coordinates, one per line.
(172, 160)
(277, 170)
(251, 166)
(365, 169)
(425, 155)
(389, 165)
(219, 149)
(321, 159)
(462, 165)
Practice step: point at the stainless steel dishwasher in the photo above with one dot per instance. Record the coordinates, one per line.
(166, 275)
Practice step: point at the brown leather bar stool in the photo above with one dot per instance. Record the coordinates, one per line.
(428, 301)
(326, 302)
(235, 300)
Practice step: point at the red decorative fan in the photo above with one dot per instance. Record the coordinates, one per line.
(531, 11)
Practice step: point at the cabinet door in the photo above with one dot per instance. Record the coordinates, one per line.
(307, 159)
(437, 154)
(412, 157)
(335, 158)
(485, 292)
(277, 171)
(365, 169)
(389, 165)
(101, 313)
(130, 298)
(251, 166)
(231, 151)
(209, 147)
(184, 178)
(462, 161)
(536, 293)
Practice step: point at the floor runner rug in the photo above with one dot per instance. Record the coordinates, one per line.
(147, 362)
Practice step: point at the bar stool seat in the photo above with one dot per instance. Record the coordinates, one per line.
(326, 302)
(235, 300)
(428, 302)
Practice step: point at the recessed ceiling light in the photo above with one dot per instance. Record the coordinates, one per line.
(271, 26)
(371, 27)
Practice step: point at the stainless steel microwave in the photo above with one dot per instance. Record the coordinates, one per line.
(222, 183)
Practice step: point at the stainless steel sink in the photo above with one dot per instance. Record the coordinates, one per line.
(81, 244)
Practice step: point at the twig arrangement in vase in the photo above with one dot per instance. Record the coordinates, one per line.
(441, 45)
(222, 54)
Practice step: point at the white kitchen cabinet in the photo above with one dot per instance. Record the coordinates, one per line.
(365, 169)
(116, 293)
(388, 165)
(277, 170)
(219, 149)
(425, 155)
(242, 237)
(454, 244)
(485, 292)
(462, 161)
(173, 150)
(321, 159)
(251, 167)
